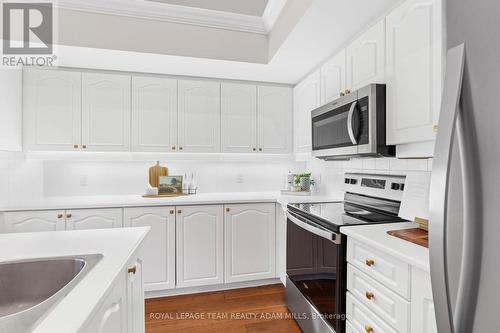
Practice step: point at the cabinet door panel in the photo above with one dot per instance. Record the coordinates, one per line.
(158, 250)
(239, 118)
(199, 116)
(199, 245)
(154, 114)
(307, 97)
(135, 297)
(52, 109)
(274, 119)
(84, 219)
(366, 58)
(250, 249)
(414, 57)
(49, 220)
(423, 317)
(105, 112)
(333, 78)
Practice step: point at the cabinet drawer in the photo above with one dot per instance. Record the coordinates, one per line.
(362, 319)
(349, 328)
(388, 305)
(386, 269)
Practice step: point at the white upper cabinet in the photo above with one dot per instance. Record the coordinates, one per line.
(52, 109)
(49, 220)
(307, 97)
(274, 119)
(154, 114)
(199, 116)
(105, 112)
(158, 250)
(366, 58)
(199, 245)
(333, 78)
(238, 118)
(250, 246)
(414, 71)
(83, 219)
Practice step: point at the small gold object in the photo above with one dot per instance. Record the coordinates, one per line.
(227, 209)
(132, 269)
(59, 216)
(260, 149)
(370, 262)
(69, 215)
(368, 329)
(172, 211)
(369, 295)
(180, 148)
(84, 146)
(75, 146)
(173, 147)
(255, 149)
(179, 211)
(435, 128)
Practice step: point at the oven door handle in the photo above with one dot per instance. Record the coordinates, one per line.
(332, 236)
(350, 130)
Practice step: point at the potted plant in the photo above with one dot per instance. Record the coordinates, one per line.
(304, 181)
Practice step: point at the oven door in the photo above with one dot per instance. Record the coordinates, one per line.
(315, 266)
(338, 128)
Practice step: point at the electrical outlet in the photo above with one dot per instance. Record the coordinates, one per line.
(83, 180)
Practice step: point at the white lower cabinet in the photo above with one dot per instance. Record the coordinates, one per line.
(158, 250)
(249, 237)
(199, 245)
(83, 219)
(422, 306)
(33, 221)
(377, 298)
(122, 310)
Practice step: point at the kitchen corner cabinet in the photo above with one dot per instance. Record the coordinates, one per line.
(250, 249)
(307, 97)
(238, 118)
(105, 112)
(333, 78)
(158, 249)
(366, 58)
(199, 245)
(122, 309)
(154, 114)
(52, 109)
(199, 116)
(414, 71)
(60, 220)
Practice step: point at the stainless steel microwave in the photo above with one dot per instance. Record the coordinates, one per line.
(352, 126)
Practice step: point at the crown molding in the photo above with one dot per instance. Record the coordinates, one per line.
(145, 9)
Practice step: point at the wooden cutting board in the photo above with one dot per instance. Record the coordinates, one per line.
(155, 172)
(415, 235)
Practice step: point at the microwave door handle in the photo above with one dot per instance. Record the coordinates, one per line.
(349, 123)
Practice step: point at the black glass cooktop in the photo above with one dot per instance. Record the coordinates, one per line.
(333, 215)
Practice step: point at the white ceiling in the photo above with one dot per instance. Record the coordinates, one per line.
(324, 29)
(245, 7)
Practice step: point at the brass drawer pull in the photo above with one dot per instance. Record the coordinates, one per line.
(179, 211)
(69, 215)
(172, 211)
(173, 147)
(370, 262)
(180, 148)
(59, 216)
(228, 210)
(368, 329)
(369, 295)
(132, 269)
(84, 146)
(75, 146)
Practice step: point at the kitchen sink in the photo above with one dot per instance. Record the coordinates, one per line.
(29, 288)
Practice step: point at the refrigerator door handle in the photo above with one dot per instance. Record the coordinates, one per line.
(439, 188)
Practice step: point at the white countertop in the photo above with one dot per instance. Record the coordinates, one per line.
(81, 202)
(376, 236)
(116, 245)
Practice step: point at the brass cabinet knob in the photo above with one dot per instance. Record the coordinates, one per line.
(59, 216)
(180, 148)
(172, 211)
(369, 295)
(179, 211)
(369, 329)
(370, 262)
(173, 147)
(255, 149)
(132, 269)
(260, 149)
(75, 146)
(84, 146)
(69, 215)
(228, 210)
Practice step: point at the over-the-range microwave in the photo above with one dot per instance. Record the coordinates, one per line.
(352, 126)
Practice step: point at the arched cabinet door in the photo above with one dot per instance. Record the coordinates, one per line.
(33, 221)
(83, 219)
(200, 244)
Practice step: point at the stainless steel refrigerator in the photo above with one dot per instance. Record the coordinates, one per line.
(465, 187)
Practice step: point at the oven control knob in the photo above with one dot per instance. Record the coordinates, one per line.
(402, 187)
(395, 186)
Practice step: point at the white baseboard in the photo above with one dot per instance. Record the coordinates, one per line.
(204, 289)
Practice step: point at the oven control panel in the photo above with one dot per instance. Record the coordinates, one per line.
(377, 185)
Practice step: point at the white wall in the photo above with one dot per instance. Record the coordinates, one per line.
(11, 87)
(33, 179)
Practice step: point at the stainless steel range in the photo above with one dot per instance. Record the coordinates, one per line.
(316, 249)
